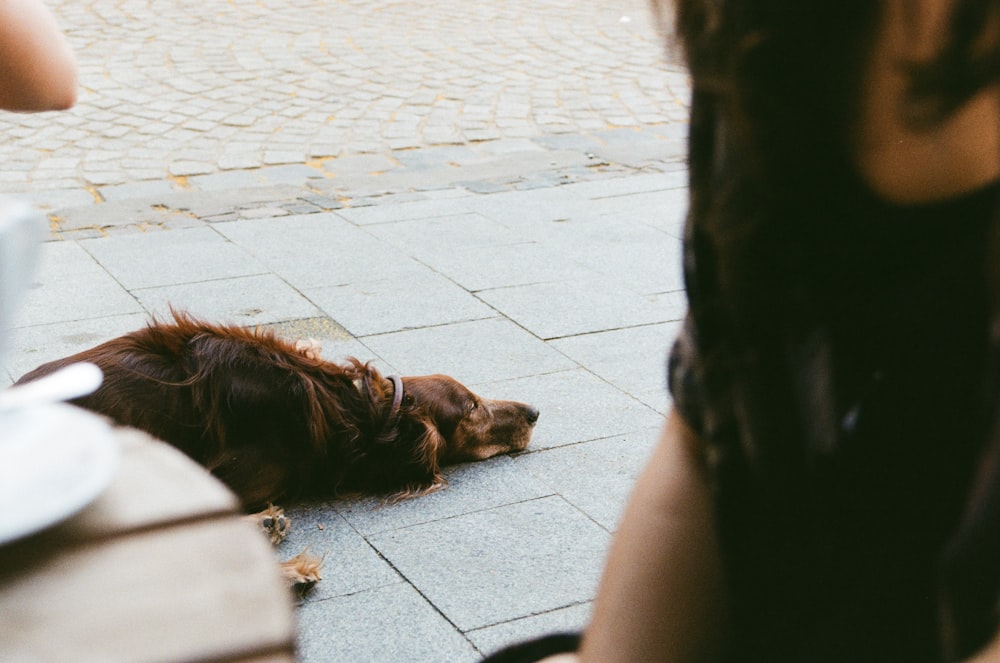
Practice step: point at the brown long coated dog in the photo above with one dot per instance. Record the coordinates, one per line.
(273, 420)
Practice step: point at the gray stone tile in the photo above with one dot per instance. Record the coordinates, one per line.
(633, 359)
(676, 303)
(69, 285)
(502, 265)
(451, 193)
(661, 209)
(429, 239)
(565, 620)
(471, 352)
(648, 268)
(230, 179)
(597, 476)
(335, 342)
(295, 173)
(471, 487)
(248, 300)
(386, 624)
(418, 209)
(656, 399)
(316, 250)
(53, 199)
(35, 345)
(350, 565)
(338, 351)
(623, 186)
(554, 310)
(574, 406)
(437, 156)
(573, 141)
(160, 258)
(419, 298)
(643, 154)
(322, 329)
(361, 163)
(520, 210)
(493, 566)
(625, 251)
(140, 189)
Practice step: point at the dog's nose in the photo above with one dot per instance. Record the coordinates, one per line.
(532, 414)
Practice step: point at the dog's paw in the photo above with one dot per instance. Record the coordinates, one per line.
(309, 347)
(302, 571)
(273, 522)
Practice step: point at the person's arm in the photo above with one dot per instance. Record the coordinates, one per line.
(37, 66)
(662, 595)
(988, 654)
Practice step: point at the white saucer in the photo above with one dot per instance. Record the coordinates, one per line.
(55, 459)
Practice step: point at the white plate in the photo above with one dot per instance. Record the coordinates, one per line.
(55, 459)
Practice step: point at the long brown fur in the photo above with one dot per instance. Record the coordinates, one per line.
(272, 420)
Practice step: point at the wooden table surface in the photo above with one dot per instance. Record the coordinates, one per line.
(161, 567)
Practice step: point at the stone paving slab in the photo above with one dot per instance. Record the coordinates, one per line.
(158, 258)
(634, 359)
(528, 212)
(564, 620)
(504, 266)
(70, 285)
(419, 298)
(471, 487)
(625, 253)
(350, 564)
(450, 233)
(578, 306)
(596, 477)
(242, 300)
(472, 352)
(317, 250)
(39, 343)
(392, 623)
(481, 580)
(335, 341)
(578, 406)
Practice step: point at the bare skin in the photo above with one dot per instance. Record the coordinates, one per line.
(37, 68)
(660, 601)
(907, 165)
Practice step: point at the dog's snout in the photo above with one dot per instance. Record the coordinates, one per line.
(531, 413)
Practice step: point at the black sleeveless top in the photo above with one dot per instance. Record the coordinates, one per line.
(850, 540)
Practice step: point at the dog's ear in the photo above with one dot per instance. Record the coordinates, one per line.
(426, 454)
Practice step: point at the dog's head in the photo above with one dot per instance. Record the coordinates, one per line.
(425, 422)
(471, 427)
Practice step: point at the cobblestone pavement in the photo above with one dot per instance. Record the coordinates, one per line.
(185, 88)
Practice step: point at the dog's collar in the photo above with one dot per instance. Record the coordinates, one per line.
(397, 395)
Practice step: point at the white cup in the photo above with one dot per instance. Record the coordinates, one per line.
(22, 229)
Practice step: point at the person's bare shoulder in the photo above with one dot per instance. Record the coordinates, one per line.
(910, 165)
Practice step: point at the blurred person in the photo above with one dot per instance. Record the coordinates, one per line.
(37, 67)
(827, 485)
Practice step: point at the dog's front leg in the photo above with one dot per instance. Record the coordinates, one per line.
(273, 522)
(302, 571)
